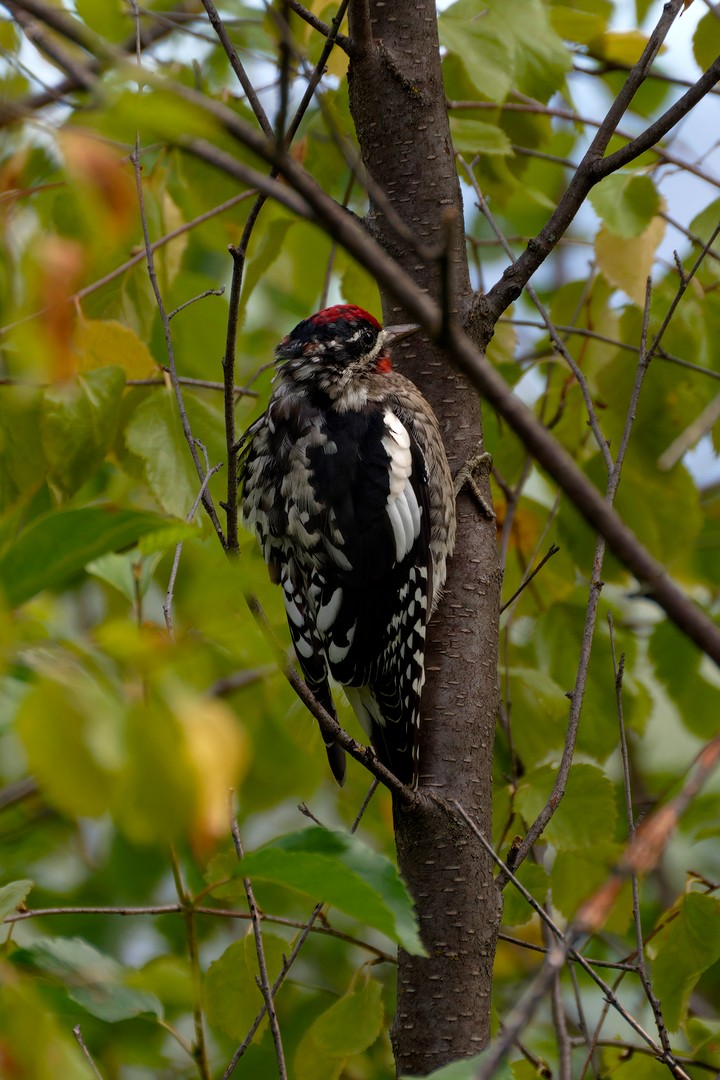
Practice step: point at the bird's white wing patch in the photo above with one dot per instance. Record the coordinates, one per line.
(402, 507)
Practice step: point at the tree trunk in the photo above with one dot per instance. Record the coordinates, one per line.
(398, 106)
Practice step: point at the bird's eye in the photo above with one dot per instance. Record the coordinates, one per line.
(368, 336)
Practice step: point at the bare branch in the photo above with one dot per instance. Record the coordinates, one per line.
(187, 431)
(618, 671)
(188, 914)
(317, 24)
(264, 980)
(552, 550)
(565, 946)
(77, 1032)
(200, 296)
(596, 584)
(595, 167)
(236, 64)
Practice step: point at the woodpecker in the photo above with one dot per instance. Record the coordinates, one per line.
(345, 482)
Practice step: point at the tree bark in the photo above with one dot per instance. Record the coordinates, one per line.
(398, 105)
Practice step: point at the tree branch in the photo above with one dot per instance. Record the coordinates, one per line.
(594, 167)
(305, 198)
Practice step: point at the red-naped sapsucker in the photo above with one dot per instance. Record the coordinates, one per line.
(345, 483)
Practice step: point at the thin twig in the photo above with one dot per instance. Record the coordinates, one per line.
(202, 384)
(236, 64)
(615, 965)
(596, 584)
(200, 296)
(582, 331)
(685, 280)
(565, 945)
(188, 914)
(264, 980)
(317, 24)
(170, 593)
(545, 316)
(618, 671)
(286, 965)
(228, 363)
(81, 1043)
(280, 19)
(328, 724)
(100, 283)
(552, 550)
(595, 167)
(187, 430)
(364, 805)
(220, 913)
(633, 1048)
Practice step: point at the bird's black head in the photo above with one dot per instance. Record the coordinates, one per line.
(332, 340)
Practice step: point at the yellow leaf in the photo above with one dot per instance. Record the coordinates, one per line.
(108, 343)
(627, 262)
(172, 253)
(217, 749)
(622, 47)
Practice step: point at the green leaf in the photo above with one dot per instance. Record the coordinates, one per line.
(169, 978)
(468, 1070)
(35, 1040)
(682, 951)
(540, 710)
(576, 875)
(154, 435)
(340, 870)
(486, 53)
(347, 1028)
(680, 667)
(230, 993)
(520, 47)
(706, 40)
(626, 202)
(83, 736)
(110, 19)
(269, 247)
(516, 910)
(357, 285)
(12, 895)
(78, 420)
(586, 815)
(541, 58)
(56, 546)
(475, 137)
(577, 26)
(130, 574)
(91, 978)
(22, 462)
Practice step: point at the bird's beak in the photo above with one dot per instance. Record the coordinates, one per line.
(393, 334)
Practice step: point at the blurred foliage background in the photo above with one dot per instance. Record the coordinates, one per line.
(119, 739)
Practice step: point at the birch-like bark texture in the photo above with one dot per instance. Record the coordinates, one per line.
(398, 106)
